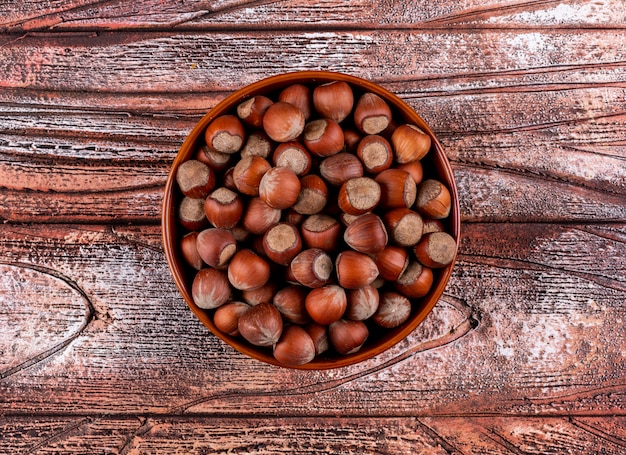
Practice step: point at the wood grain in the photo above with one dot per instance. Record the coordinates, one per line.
(219, 14)
(333, 435)
(523, 322)
(149, 62)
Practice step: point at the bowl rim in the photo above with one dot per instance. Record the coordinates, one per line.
(267, 85)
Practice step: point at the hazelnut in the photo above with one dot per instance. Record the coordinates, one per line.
(294, 156)
(292, 217)
(295, 347)
(375, 153)
(282, 242)
(366, 234)
(397, 189)
(300, 96)
(372, 114)
(312, 268)
(279, 187)
(359, 195)
(433, 199)
(431, 225)
(436, 249)
(347, 336)
(404, 226)
(210, 289)
(248, 173)
(333, 100)
(195, 179)
(313, 195)
(410, 143)
(326, 304)
(225, 134)
(216, 247)
(247, 270)
(321, 231)
(290, 301)
(240, 233)
(251, 111)
(354, 269)
(257, 144)
(351, 138)
(392, 261)
(264, 294)
(394, 309)
(340, 168)
(228, 180)
(323, 137)
(259, 216)
(189, 251)
(415, 170)
(319, 335)
(223, 208)
(362, 303)
(261, 325)
(416, 281)
(191, 214)
(226, 317)
(283, 122)
(217, 161)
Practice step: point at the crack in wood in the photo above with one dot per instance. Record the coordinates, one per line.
(51, 19)
(89, 317)
(59, 435)
(579, 395)
(482, 13)
(544, 177)
(504, 263)
(199, 15)
(144, 427)
(597, 432)
(443, 442)
(503, 442)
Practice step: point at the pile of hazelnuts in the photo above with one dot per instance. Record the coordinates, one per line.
(309, 222)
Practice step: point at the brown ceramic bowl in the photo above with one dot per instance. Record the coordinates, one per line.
(435, 165)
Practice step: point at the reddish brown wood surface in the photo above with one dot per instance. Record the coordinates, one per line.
(525, 352)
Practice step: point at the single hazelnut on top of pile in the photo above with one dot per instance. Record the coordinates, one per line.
(300, 96)
(247, 270)
(372, 114)
(295, 346)
(410, 143)
(261, 325)
(279, 187)
(433, 199)
(375, 153)
(333, 100)
(283, 122)
(251, 111)
(195, 179)
(225, 134)
(323, 137)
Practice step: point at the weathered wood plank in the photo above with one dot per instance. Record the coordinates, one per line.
(142, 62)
(83, 14)
(526, 326)
(304, 435)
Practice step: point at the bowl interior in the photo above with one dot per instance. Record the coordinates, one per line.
(435, 164)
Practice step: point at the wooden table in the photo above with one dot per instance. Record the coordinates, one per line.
(526, 351)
